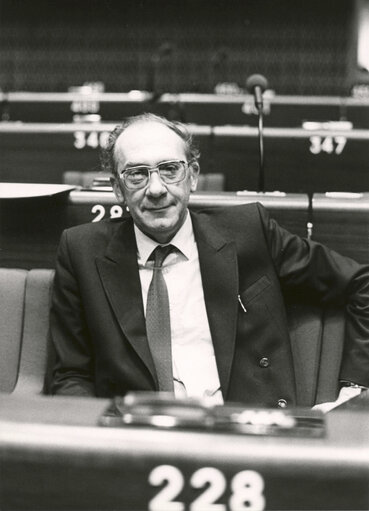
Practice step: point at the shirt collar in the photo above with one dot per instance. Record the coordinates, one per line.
(183, 240)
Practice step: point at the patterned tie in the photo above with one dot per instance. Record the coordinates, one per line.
(158, 321)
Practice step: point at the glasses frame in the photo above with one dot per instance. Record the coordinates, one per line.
(150, 170)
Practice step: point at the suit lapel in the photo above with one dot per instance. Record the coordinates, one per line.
(219, 272)
(119, 274)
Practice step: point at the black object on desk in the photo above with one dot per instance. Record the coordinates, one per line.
(162, 410)
(32, 219)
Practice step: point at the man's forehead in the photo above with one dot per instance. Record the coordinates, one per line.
(143, 132)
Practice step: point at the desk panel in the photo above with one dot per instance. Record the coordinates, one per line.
(296, 160)
(65, 107)
(290, 210)
(64, 466)
(31, 228)
(279, 111)
(41, 153)
(213, 109)
(341, 221)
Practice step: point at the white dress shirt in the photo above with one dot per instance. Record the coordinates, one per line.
(194, 367)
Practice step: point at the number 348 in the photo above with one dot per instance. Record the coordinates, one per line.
(246, 490)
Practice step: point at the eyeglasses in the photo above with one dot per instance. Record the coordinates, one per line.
(170, 172)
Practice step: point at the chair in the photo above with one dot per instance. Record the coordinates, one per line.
(12, 300)
(35, 339)
(214, 182)
(24, 322)
(26, 355)
(317, 338)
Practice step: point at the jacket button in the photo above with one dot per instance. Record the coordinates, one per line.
(282, 403)
(264, 362)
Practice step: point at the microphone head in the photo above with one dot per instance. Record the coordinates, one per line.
(256, 81)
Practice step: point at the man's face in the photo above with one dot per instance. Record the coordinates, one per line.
(158, 209)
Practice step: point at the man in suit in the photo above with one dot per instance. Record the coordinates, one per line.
(225, 280)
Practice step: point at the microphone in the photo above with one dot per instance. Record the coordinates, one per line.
(256, 85)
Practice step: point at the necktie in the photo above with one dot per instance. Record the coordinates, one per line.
(158, 321)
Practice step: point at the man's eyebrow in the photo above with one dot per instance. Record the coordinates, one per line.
(134, 164)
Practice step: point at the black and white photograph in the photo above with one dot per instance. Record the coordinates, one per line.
(184, 255)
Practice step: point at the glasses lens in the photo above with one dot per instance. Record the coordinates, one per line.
(169, 171)
(135, 177)
(172, 171)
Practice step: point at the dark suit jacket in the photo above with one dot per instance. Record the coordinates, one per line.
(97, 318)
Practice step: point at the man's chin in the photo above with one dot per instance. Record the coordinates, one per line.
(163, 225)
(162, 229)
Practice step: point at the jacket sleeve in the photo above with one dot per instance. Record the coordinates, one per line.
(304, 266)
(73, 369)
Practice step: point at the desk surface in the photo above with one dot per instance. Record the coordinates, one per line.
(296, 160)
(187, 107)
(54, 457)
(29, 237)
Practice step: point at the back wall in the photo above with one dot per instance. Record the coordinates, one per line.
(302, 47)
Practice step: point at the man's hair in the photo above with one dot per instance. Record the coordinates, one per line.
(107, 155)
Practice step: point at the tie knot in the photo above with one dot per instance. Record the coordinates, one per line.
(160, 253)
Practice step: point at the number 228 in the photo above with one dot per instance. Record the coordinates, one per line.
(246, 490)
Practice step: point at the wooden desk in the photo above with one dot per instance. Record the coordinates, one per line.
(213, 109)
(296, 160)
(32, 217)
(53, 457)
(42, 152)
(341, 221)
(31, 227)
(290, 210)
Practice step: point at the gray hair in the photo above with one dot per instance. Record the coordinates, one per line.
(107, 155)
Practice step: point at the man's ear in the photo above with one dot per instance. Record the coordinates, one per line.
(117, 190)
(195, 171)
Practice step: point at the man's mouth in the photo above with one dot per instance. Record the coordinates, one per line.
(158, 208)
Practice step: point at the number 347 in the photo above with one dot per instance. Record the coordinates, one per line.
(246, 490)
(327, 145)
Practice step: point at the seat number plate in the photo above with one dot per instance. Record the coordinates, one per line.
(246, 490)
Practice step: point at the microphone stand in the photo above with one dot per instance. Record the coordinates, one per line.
(257, 84)
(261, 182)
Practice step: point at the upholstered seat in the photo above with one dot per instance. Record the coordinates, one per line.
(317, 338)
(12, 298)
(35, 338)
(24, 326)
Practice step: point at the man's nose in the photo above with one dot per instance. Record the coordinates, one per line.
(156, 186)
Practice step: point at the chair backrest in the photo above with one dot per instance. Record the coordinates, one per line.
(317, 340)
(35, 339)
(24, 329)
(12, 301)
